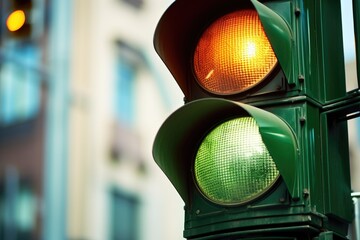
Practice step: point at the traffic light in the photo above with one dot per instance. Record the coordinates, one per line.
(18, 20)
(259, 150)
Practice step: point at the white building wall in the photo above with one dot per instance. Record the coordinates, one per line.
(97, 25)
(354, 131)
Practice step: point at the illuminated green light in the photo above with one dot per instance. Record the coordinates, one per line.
(233, 165)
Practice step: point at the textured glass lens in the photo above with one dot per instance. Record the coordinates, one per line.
(233, 165)
(233, 54)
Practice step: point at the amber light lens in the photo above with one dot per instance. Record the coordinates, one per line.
(233, 54)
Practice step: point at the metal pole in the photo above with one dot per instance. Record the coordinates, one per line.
(356, 12)
(355, 228)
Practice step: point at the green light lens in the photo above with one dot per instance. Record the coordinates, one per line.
(233, 165)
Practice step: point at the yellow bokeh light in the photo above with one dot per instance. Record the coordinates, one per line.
(15, 20)
(233, 54)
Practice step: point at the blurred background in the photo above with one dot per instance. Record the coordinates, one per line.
(82, 95)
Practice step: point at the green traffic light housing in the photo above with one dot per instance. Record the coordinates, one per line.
(248, 28)
(279, 35)
(250, 146)
(256, 148)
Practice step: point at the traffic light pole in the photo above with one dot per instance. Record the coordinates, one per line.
(356, 11)
(355, 227)
(345, 108)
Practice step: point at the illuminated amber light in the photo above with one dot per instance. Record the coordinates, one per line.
(233, 54)
(15, 20)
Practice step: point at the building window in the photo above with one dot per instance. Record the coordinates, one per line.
(124, 216)
(128, 64)
(135, 3)
(124, 91)
(18, 208)
(19, 84)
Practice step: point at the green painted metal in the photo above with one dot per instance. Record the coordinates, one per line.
(356, 10)
(174, 142)
(324, 71)
(279, 35)
(281, 143)
(308, 150)
(305, 35)
(176, 36)
(178, 139)
(336, 154)
(169, 152)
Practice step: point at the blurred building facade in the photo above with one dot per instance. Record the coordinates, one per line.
(119, 96)
(81, 100)
(22, 126)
